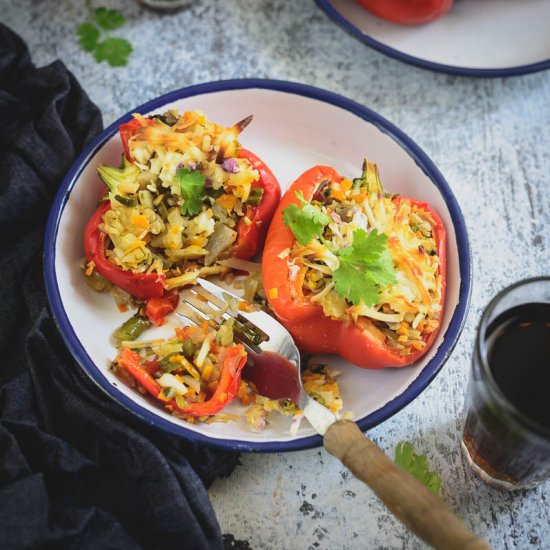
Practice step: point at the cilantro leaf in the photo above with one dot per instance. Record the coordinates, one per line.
(355, 285)
(93, 36)
(306, 221)
(192, 189)
(365, 268)
(109, 19)
(113, 50)
(88, 35)
(417, 466)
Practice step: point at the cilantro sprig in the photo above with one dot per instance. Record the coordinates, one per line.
(192, 187)
(366, 267)
(306, 221)
(93, 36)
(417, 466)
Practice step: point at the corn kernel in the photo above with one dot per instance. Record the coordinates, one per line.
(90, 268)
(207, 372)
(418, 345)
(141, 221)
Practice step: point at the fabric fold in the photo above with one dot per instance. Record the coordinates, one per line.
(76, 469)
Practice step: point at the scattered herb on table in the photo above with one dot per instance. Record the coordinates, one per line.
(417, 466)
(94, 36)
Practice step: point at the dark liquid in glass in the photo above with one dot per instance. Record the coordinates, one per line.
(518, 343)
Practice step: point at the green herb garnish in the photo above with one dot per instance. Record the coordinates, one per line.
(109, 19)
(365, 268)
(88, 36)
(94, 37)
(192, 187)
(306, 221)
(417, 466)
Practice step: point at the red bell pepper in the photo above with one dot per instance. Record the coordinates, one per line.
(132, 363)
(127, 130)
(140, 285)
(233, 361)
(147, 286)
(408, 12)
(305, 320)
(158, 308)
(250, 235)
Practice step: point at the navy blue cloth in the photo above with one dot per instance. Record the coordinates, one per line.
(76, 469)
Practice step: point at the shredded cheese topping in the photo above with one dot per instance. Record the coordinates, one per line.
(149, 224)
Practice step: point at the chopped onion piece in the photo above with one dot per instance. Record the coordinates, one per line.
(205, 348)
(168, 380)
(284, 253)
(192, 383)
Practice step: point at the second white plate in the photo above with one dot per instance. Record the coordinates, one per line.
(476, 38)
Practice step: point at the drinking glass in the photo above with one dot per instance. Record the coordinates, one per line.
(505, 446)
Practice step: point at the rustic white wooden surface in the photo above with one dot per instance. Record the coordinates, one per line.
(491, 140)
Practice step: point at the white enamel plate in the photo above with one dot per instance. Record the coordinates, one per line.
(476, 38)
(294, 128)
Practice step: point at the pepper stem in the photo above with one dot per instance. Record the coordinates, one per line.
(242, 124)
(369, 179)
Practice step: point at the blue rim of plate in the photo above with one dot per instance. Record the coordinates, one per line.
(519, 70)
(427, 374)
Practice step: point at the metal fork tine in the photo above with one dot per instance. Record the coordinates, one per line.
(185, 310)
(236, 315)
(209, 296)
(191, 302)
(251, 326)
(243, 339)
(203, 307)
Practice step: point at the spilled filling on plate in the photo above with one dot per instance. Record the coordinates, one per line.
(196, 374)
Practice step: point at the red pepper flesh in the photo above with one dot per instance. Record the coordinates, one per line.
(233, 361)
(158, 308)
(127, 130)
(251, 235)
(132, 362)
(408, 12)
(305, 320)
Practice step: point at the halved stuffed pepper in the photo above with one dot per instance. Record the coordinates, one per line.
(186, 198)
(353, 270)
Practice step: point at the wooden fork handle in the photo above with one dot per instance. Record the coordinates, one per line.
(410, 501)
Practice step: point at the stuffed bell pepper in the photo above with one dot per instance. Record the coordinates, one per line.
(187, 201)
(353, 270)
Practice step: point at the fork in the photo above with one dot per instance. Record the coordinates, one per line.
(408, 499)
